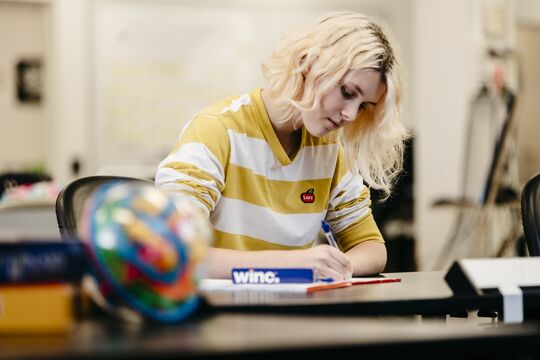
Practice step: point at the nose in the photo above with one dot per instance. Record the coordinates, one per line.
(349, 112)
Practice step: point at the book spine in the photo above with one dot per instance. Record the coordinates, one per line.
(27, 263)
(38, 308)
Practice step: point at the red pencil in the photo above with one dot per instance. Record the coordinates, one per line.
(351, 282)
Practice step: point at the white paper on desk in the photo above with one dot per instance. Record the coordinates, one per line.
(228, 285)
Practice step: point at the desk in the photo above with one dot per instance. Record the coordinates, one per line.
(271, 336)
(423, 293)
(329, 323)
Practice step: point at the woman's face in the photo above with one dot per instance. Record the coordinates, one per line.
(342, 104)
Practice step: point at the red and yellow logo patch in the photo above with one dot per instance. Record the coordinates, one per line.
(308, 197)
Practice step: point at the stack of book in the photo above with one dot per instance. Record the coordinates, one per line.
(28, 220)
(39, 285)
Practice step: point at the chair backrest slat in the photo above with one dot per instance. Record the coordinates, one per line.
(530, 214)
(71, 199)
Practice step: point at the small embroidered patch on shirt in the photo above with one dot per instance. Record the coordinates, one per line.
(308, 197)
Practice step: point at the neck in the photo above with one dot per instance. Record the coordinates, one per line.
(288, 136)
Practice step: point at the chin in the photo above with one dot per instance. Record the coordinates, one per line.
(318, 132)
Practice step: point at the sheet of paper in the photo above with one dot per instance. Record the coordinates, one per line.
(227, 285)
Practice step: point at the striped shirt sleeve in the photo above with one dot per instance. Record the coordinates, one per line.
(349, 212)
(196, 166)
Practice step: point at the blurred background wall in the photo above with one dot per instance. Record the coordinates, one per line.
(105, 86)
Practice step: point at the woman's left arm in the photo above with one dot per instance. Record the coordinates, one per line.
(367, 257)
(349, 214)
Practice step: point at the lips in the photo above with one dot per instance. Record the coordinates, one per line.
(334, 124)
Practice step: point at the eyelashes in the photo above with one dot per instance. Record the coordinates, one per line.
(347, 95)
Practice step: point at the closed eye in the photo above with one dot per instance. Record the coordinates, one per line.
(346, 94)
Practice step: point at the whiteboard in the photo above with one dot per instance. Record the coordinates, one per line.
(156, 63)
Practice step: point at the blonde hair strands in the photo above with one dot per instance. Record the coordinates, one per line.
(309, 62)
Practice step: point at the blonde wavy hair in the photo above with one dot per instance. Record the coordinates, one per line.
(310, 62)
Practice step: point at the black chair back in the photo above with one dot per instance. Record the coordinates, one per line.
(71, 199)
(530, 214)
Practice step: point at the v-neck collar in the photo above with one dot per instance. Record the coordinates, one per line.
(270, 134)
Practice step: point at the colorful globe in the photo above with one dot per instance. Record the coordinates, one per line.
(146, 249)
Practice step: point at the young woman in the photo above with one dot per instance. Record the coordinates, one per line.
(270, 165)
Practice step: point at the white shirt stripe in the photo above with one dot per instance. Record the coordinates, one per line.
(236, 104)
(174, 176)
(198, 155)
(312, 162)
(351, 187)
(182, 192)
(264, 224)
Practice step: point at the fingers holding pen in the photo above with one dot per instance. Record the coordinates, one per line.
(330, 262)
(342, 262)
(338, 260)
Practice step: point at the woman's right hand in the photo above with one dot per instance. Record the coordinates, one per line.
(327, 262)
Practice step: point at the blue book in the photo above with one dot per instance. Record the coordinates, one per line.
(27, 262)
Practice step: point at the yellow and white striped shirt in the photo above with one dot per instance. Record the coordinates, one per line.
(229, 159)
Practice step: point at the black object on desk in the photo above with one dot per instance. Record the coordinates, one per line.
(516, 281)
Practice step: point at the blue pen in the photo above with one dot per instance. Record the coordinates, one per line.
(329, 234)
